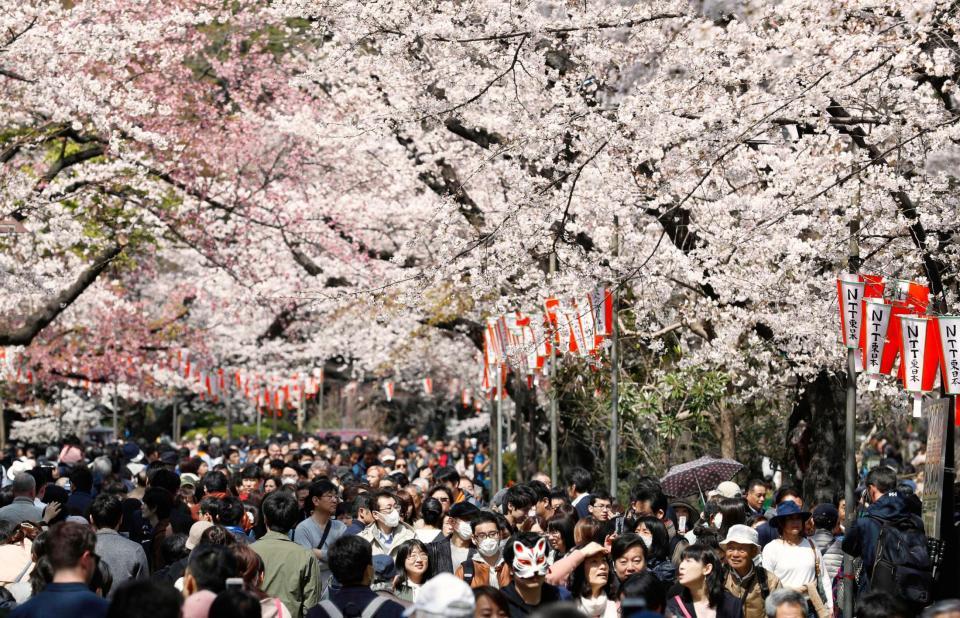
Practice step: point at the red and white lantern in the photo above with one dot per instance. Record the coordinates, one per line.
(874, 337)
(949, 331)
(850, 291)
(920, 354)
(388, 389)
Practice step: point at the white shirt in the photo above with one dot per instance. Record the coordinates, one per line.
(794, 565)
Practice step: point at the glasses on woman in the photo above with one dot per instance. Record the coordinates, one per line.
(416, 555)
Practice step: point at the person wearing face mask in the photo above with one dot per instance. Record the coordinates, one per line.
(485, 567)
(657, 542)
(387, 532)
(461, 540)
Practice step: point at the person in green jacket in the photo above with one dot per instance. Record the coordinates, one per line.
(290, 571)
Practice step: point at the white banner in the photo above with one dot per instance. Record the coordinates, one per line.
(877, 316)
(950, 352)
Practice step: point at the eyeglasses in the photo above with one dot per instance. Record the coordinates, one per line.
(487, 535)
(331, 496)
(602, 507)
(388, 509)
(416, 555)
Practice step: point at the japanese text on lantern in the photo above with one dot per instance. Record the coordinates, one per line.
(950, 350)
(914, 354)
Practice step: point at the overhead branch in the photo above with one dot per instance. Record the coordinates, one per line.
(461, 325)
(46, 314)
(606, 25)
(933, 265)
(73, 159)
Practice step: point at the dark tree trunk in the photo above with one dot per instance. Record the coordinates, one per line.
(815, 437)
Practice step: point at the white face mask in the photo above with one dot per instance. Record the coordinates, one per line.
(682, 523)
(489, 547)
(718, 521)
(464, 530)
(647, 539)
(391, 519)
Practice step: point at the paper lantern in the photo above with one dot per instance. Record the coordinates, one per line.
(908, 298)
(920, 356)
(949, 332)
(874, 337)
(850, 291)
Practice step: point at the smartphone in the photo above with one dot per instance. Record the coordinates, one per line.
(618, 527)
(235, 583)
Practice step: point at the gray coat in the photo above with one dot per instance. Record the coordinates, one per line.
(830, 549)
(20, 510)
(125, 558)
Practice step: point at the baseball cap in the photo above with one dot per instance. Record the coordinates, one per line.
(189, 478)
(196, 531)
(444, 595)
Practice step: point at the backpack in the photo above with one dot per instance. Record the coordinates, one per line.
(902, 565)
(368, 612)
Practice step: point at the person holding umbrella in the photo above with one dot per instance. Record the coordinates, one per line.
(795, 560)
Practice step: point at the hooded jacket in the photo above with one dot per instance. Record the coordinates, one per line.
(861, 540)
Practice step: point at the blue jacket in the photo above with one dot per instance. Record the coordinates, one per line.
(861, 540)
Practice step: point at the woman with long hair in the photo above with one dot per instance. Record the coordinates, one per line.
(703, 594)
(591, 588)
(413, 569)
(431, 512)
(657, 540)
(251, 569)
(733, 512)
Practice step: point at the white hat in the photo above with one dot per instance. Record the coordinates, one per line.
(20, 465)
(728, 489)
(745, 535)
(444, 595)
(196, 531)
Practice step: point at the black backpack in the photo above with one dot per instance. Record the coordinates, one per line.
(902, 565)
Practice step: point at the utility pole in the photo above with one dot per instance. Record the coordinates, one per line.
(615, 367)
(173, 432)
(301, 409)
(320, 400)
(116, 431)
(850, 463)
(554, 421)
(228, 401)
(499, 426)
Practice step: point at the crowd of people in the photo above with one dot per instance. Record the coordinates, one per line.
(378, 528)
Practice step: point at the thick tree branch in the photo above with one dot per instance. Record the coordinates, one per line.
(41, 318)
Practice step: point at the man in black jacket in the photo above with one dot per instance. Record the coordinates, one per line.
(526, 553)
(351, 562)
(886, 507)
